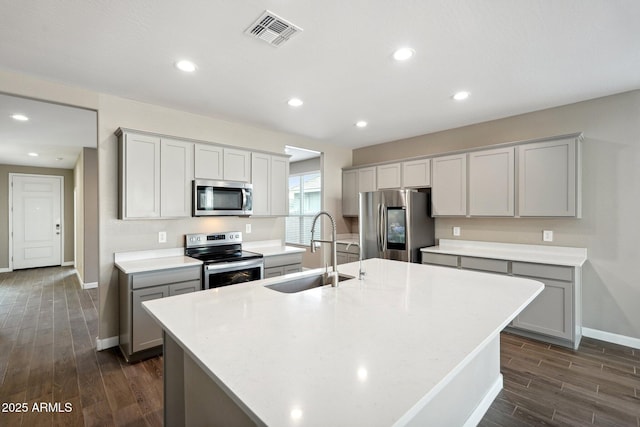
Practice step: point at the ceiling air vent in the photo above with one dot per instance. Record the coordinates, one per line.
(272, 29)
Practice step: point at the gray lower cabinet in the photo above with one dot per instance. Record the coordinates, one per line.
(346, 252)
(140, 335)
(554, 316)
(279, 265)
(553, 312)
(440, 259)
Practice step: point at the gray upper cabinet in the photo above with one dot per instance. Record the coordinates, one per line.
(416, 173)
(176, 174)
(549, 178)
(270, 184)
(279, 185)
(350, 200)
(389, 176)
(449, 192)
(237, 165)
(491, 182)
(209, 163)
(367, 179)
(139, 164)
(261, 172)
(155, 176)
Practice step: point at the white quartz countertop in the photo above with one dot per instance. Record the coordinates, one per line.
(141, 261)
(542, 254)
(367, 353)
(152, 264)
(271, 248)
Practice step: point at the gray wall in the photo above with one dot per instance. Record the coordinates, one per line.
(610, 227)
(69, 239)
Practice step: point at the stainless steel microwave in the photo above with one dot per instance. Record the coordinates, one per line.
(211, 198)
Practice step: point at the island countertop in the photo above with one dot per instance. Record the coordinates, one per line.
(369, 352)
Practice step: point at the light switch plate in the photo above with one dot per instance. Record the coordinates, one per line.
(456, 231)
(547, 236)
(247, 228)
(162, 237)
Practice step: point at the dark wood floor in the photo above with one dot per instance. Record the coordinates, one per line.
(48, 327)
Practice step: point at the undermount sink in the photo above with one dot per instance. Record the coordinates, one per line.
(298, 284)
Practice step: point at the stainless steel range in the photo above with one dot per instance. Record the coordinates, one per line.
(225, 263)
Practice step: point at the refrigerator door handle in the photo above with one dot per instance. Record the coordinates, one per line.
(379, 231)
(383, 227)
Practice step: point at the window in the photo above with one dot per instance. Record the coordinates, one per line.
(305, 200)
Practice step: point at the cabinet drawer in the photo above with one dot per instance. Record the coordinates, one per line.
(184, 287)
(440, 259)
(556, 272)
(485, 264)
(285, 259)
(273, 272)
(163, 277)
(294, 268)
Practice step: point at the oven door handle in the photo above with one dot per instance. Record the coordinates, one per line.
(233, 265)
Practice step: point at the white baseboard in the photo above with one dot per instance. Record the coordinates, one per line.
(484, 404)
(83, 285)
(68, 263)
(611, 337)
(90, 285)
(5, 270)
(103, 344)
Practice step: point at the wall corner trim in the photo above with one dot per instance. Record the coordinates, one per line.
(103, 344)
(611, 337)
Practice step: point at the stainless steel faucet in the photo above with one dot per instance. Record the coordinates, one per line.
(333, 278)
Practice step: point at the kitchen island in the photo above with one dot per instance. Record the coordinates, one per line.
(409, 345)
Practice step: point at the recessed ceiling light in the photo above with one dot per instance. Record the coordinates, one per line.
(403, 54)
(295, 102)
(361, 124)
(460, 96)
(20, 117)
(32, 154)
(186, 66)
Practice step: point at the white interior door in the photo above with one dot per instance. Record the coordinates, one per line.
(37, 216)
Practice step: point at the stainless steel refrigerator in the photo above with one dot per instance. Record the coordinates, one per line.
(395, 224)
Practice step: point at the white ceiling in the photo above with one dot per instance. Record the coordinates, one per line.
(513, 56)
(55, 132)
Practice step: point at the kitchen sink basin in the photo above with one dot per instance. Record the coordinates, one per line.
(302, 283)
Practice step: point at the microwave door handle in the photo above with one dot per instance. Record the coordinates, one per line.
(244, 199)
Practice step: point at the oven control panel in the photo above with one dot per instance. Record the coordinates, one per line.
(213, 239)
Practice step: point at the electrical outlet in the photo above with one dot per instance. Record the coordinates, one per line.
(247, 228)
(456, 231)
(547, 236)
(162, 237)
